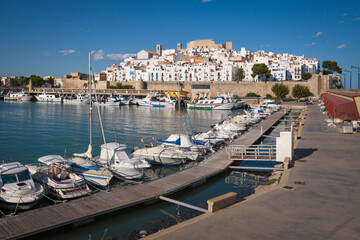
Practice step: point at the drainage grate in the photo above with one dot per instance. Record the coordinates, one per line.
(300, 183)
(288, 187)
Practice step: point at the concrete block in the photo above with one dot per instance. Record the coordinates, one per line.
(222, 201)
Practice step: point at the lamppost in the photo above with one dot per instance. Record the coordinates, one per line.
(344, 76)
(358, 68)
(350, 76)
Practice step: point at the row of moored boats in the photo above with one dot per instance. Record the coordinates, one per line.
(67, 178)
(221, 102)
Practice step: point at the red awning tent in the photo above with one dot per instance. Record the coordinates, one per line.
(339, 107)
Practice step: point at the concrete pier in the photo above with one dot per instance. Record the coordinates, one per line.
(319, 199)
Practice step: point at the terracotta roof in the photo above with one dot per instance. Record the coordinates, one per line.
(346, 94)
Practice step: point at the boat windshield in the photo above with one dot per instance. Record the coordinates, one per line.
(16, 177)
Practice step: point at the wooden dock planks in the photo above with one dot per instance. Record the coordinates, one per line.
(54, 216)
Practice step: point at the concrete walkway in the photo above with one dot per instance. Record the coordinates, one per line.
(323, 204)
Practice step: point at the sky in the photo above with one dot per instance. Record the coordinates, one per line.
(54, 37)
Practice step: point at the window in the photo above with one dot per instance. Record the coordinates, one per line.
(23, 176)
(8, 178)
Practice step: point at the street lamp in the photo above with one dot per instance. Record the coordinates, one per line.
(358, 68)
(350, 76)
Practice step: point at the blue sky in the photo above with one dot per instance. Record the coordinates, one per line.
(53, 37)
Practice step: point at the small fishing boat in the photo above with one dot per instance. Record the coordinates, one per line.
(108, 101)
(18, 96)
(18, 190)
(80, 98)
(152, 100)
(120, 161)
(57, 181)
(45, 97)
(219, 103)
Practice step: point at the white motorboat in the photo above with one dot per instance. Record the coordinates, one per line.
(231, 98)
(120, 161)
(80, 98)
(219, 103)
(230, 126)
(152, 100)
(126, 101)
(272, 105)
(57, 181)
(184, 141)
(18, 190)
(44, 97)
(108, 101)
(165, 155)
(18, 96)
(210, 137)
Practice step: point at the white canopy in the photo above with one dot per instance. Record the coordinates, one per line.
(51, 159)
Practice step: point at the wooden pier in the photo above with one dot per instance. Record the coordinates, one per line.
(43, 219)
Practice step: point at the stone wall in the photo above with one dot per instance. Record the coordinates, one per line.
(238, 88)
(317, 84)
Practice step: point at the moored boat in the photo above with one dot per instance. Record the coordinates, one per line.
(45, 97)
(57, 181)
(218, 103)
(18, 96)
(18, 190)
(120, 161)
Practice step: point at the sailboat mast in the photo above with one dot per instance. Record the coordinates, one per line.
(90, 97)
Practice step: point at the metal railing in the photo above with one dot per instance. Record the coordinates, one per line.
(252, 152)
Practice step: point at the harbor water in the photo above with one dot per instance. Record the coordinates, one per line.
(31, 130)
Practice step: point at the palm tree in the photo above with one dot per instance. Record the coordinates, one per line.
(85, 85)
(239, 75)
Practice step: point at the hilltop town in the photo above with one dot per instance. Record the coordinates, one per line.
(203, 65)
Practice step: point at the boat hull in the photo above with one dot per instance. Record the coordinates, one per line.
(218, 106)
(42, 99)
(159, 159)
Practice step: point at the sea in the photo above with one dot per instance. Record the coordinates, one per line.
(29, 130)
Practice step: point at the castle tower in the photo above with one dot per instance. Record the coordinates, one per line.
(159, 49)
(179, 46)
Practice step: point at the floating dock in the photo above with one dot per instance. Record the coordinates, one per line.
(39, 220)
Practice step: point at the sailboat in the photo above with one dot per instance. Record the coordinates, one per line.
(114, 159)
(83, 163)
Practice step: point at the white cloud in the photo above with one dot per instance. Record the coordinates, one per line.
(345, 14)
(67, 52)
(268, 45)
(357, 19)
(341, 21)
(100, 55)
(85, 30)
(46, 53)
(204, 1)
(341, 46)
(318, 34)
(313, 43)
